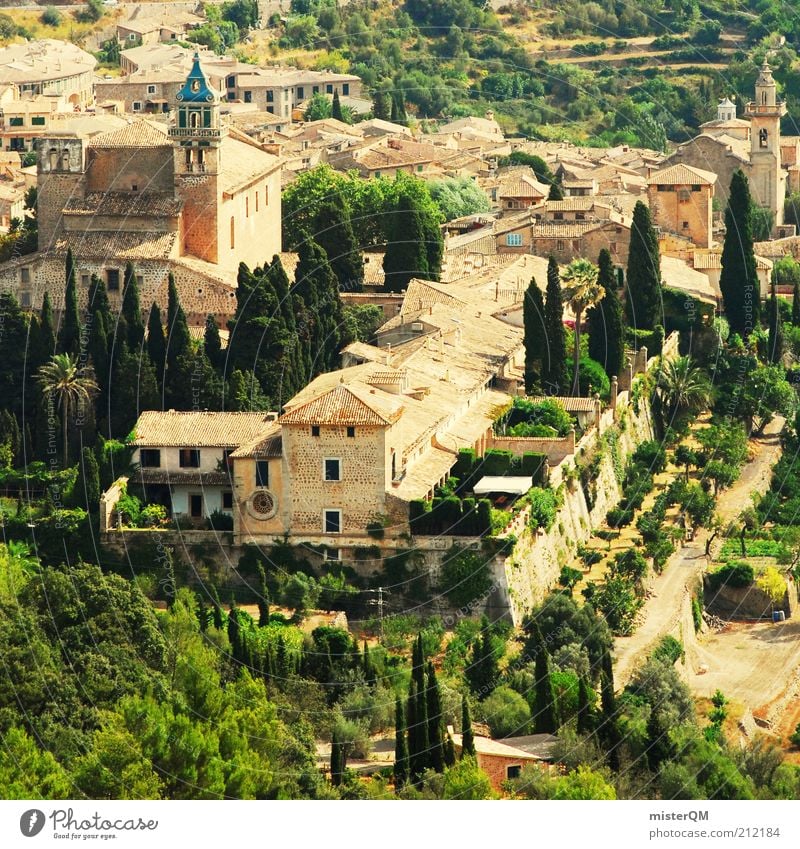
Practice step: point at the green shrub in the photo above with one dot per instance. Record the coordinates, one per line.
(543, 508)
(651, 455)
(592, 377)
(220, 521)
(734, 574)
(619, 517)
(152, 515)
(669, 649)
(534, 464)
(496, 462)
(465, 577)
(129, 509)
(464, 464)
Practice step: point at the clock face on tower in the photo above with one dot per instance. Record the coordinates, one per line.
(195, 85)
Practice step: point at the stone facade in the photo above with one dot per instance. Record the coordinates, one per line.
(683, 209)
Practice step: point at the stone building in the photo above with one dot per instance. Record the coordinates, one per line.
(195, 198)
(49, 67)
(681, 202)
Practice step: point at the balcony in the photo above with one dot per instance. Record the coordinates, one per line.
(754, 109)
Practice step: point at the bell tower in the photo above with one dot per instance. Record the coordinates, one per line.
(197, 134)
(767, 177)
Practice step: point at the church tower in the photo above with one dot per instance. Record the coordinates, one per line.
(197, 134)
(726, 110)
(767, 177)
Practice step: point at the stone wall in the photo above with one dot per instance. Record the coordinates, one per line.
(556, 448)
(119, 169)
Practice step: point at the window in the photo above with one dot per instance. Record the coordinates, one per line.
(227, 500)
(685, 225)
(248, 96)
(232, 81)
(262, 472)
(331, 469)
(226, 452)
(514, 240)
(662, 188)
(140, 280)
(345, 89)
(196, 506)
(25, 300)
(762, 138)
(332, 521)
(151, 89)
(189, 458)
(377, 173)
(315, 430)
(270, 97)
(85, 280)
(38, 120)
(560, 245)
(513, 771)
(333, 553)
(24, 275)
(150, 458)
(351, 432)
(300, 92)
(558, 216)
(580, 216)
(137, 105)
(131, 36)
(329, 89)
(695, 188)
(112, 279)
(270, 110)
(17, 121)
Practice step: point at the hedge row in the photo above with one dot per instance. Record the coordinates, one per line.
(452, 516)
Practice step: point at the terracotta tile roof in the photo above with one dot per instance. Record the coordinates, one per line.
(124, 203)
(576, 204)
(139, 133)
(485, 746)
(523, 187)
(264, 446)
(346, 405)
(118, 245)
(562, 230)
(682, 175)
(571, 405)
(193, 429)
(713, 260)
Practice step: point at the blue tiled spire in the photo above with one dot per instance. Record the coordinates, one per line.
(196, 88)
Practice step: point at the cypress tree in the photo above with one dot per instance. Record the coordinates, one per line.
(434, 244)
(643, 279)
(608, 701)
(535, 334)
(738, 280)
(132, 308)
(584, 709)
(796, 304)
(156, 344)
(467, 737)
(212, 344)
(235, 632)
(69, 334)
(263, 598)
(604, 321)
(435, 727)
(418, 664)
(398, 113)
(449, 752)
(401, 763)
(554, 361)
(333, 232)
(336, 107)
(337, 759)
(381, 107)
(406, 254)
(545, 716)
(367, 666)
(775, 342)
(178, 340)
(89, 481)
(218, 613)
(556, 192)
(47, 335)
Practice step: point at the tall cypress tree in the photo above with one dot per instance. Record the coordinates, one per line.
(401, 765)
(89, 481)
(337, 759)
(132, 308)
(738, 280)
(178, 339)
(609, 729)
(69, 334)
(556, 192)
(604, 320)
(467, 737)
(47, 335)
(545, 719)
(333, 232)
(381, 107)
(435, 726)
(406, 254)
(775, 342)
(554, 360)
(156, 344)
(212, 344)
(584, 709)
(796, 304)
(263, 597)
(336, 107)
(535, 335)
(643, 278)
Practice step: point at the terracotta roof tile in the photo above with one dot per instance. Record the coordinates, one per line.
(192, 429)
(682, 175)
(139, 133)
(118, 245)
(345, 405)
(124, 203)
(265, 445)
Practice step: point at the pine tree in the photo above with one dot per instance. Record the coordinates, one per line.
(47, 335)
(604, 321)
(643, 279)
(554, 361)
(406, 255)
(156, 344)
(132, 308)
(775, 341)
(738, 280)
(212, 344)
(69, 334)
(545, 719)
(435, 726)
(535, 335)
(336, 107)
(333, 232)
(796, 304)
(584, 709)
(467, 737)
(401, 762)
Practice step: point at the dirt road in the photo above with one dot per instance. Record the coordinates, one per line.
(663, 609)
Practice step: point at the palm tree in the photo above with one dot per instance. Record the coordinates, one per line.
(582, 291)
(683, 388)
(70, 383)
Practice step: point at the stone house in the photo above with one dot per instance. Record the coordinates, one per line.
(498, 760)
(681, 201)
(49, 67)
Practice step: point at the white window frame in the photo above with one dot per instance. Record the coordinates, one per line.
(151, 89)
(137, 105)
(325, 461)
(325, 520)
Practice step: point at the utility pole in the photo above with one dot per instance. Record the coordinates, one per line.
(379, 602)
